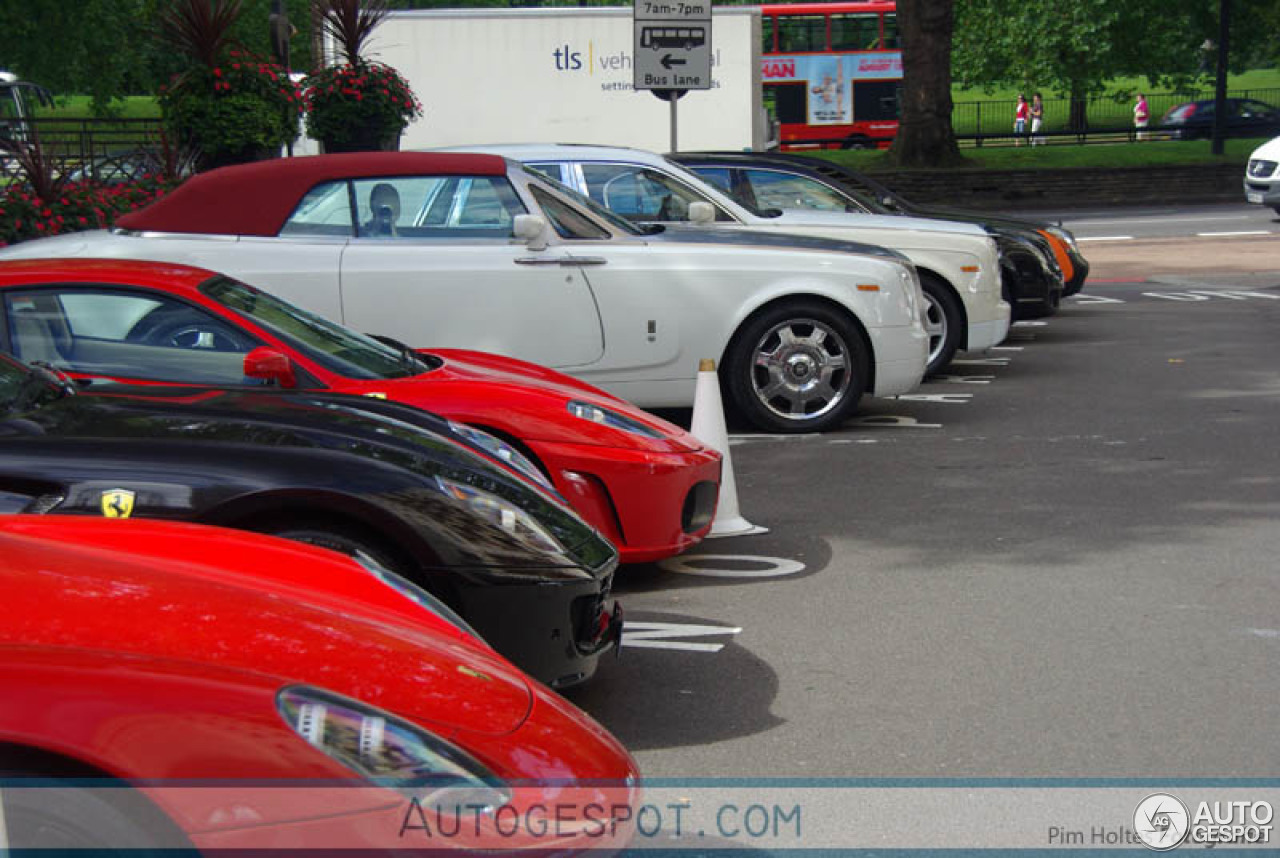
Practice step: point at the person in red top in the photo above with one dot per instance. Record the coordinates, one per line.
(1140, 116)
(1020, 115)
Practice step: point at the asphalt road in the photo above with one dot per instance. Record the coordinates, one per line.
(1059, 561)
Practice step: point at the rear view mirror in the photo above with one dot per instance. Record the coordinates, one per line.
(530, 229)
(701, 212)
(270, 365)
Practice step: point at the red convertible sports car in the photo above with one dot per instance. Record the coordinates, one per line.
(647, 485)
(170, 686)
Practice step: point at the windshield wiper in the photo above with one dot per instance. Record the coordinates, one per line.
(409, 359)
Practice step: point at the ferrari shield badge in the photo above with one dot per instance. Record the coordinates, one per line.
(117, 503)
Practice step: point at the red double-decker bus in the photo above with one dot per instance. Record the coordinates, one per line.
(832, 72)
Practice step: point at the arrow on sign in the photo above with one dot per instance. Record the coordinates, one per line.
(668, 61)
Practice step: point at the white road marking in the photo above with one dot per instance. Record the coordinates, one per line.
(964, 379)
(992, 361)
(692, 564)
(1028, 323)
(891, 420)
(854, 441)
(1176, 296)
(1009, 348)
(660, 635)
(1227, 234)
(1094, 299)
(934, 397)
(1104, 238)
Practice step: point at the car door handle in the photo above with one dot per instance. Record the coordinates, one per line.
(564, 261)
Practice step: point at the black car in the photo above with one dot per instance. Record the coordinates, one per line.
(1032, 291)
(355, 474)
(1245, 117)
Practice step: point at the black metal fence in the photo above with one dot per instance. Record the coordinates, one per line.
(93, 147)
(1096, 120)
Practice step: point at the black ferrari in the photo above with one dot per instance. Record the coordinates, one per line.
(365, 476)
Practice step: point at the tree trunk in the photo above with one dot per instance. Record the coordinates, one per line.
(925, 135)
(1078, 119)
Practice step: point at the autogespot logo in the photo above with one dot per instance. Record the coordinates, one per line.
(1161, 821)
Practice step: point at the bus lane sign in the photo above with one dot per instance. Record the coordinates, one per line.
(672, 44)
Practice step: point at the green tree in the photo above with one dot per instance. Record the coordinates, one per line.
(1076, 48)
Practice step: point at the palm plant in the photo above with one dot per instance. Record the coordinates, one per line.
(350, 23)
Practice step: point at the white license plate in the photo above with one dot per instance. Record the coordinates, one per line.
(1254, 197)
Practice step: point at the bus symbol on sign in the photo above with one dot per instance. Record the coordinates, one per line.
(658, 38)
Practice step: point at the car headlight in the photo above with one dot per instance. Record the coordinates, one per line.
(607, 417)
(1065, 235)
(414, 593)
(503, 514)
(388, 750)
(503, 452)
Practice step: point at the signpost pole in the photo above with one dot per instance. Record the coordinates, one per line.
(673, 125)
(671, 50)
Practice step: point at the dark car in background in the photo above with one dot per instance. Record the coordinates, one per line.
(359, 475)
(1245, 117)
(775, 179)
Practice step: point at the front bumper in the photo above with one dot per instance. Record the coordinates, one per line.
(1029, 288)
(1260, 192)
(650, 505)
(553, 629)
(984, 335)
(901, 355)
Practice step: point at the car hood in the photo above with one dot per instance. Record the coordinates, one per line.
(1269, 151)
(679, 232)
(377, 431)
(803, 218)
(213, 603)
(534, 401)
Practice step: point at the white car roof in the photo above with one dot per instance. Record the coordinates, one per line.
(628, 155)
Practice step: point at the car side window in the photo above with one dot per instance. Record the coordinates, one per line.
(567, 221)
(639, 193)
(775, 190)
(446, 207)
(124, 334)
(325, 210)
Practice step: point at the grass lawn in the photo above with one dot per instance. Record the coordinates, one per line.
(77, 107)
(1065, 155)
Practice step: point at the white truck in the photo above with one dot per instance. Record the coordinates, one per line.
(564, 75)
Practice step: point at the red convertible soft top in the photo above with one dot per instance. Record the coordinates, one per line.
(257, 198)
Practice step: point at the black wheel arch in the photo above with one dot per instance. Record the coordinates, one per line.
(271, 511)
(940, 280)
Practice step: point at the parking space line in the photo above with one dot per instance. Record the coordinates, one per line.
(1226, 234)
(1104, 238)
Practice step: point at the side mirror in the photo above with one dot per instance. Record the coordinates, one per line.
(531, 229)
(701, 213)
(270, 365)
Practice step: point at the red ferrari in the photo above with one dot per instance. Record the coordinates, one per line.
(647, 485)
(170, 686)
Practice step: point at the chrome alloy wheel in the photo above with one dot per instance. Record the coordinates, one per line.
(800, 369)
(935, 325)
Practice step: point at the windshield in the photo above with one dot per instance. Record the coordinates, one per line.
(334, 347)
(619, 223)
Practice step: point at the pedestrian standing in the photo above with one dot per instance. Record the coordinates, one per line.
(1037, 119)
(1020, 114)
(1140, 117)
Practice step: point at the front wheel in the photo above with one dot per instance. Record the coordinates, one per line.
(943, 321)
(798, 367)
